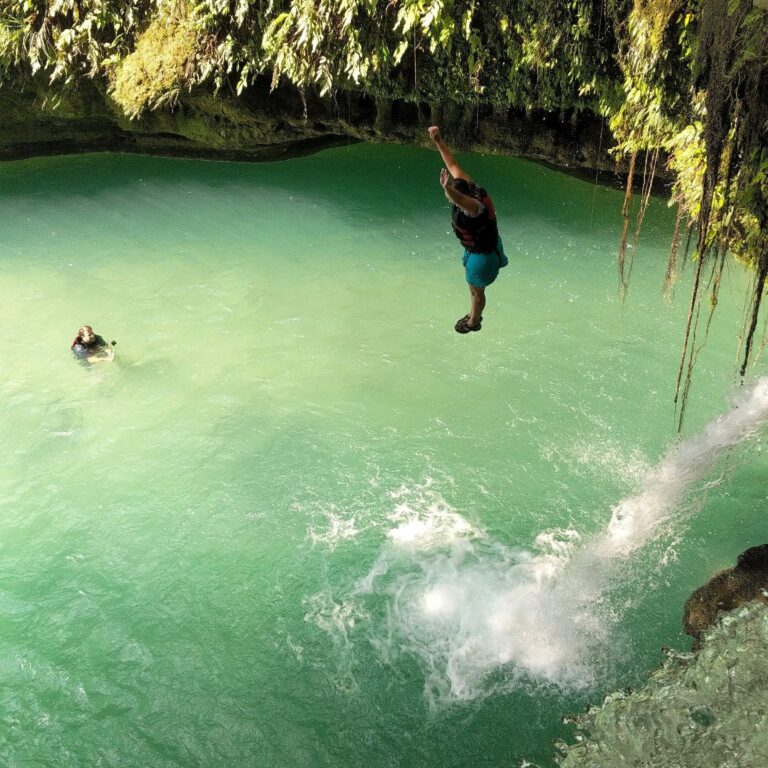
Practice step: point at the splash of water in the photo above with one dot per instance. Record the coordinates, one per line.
(482, 616)
(635, 520)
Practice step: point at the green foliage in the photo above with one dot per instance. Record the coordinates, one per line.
(536, 54)
(66, 39)
(655, 59)
(160, 65)
(751, 209)
(669, 47)
(314, 43)
(687, 161)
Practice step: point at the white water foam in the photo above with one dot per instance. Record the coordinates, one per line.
(481, 616)
(466, 605)
(635, 520)
(336, 530)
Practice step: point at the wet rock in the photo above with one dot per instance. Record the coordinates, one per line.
(264, 124)
(727, 590)
(753, 559)
(698, 710)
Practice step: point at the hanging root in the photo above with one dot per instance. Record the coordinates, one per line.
(597, 167)
(688, 241)
(690, 336)
(625, 211)
(735, 90)
(671, 275)
(715, 280)
(649, 174)
(757, 297)
(686, 337)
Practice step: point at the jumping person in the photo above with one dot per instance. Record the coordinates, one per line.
(474, 222)
(90, 347)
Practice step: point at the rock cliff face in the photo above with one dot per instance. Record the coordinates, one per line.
(261, 125)
(726, 591)
(699, 709)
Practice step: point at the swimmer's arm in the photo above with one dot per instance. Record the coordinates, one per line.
(102, 356)
(450, 161)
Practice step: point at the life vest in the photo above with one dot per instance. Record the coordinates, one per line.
(478, 234)
(97, 342)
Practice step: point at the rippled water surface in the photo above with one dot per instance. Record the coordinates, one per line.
(302, 522)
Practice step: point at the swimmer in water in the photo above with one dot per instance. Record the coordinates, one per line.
(91, 348)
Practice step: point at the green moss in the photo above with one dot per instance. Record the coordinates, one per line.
(157, 69)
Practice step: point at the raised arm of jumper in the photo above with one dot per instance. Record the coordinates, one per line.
(450, 161)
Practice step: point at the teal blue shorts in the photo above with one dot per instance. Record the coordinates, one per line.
(483, 268)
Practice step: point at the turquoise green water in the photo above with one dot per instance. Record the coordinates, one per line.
(289, 526)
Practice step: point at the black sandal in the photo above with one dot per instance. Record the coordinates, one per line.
(463, 326)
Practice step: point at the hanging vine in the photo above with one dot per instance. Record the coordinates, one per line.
(713, 126)
(731, 73)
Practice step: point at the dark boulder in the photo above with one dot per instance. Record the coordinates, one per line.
(727, 590)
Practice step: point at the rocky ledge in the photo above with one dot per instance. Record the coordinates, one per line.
(262, 124)
(726, 591)
(704, 707)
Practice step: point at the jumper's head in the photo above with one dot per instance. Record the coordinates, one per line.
(461, 185)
